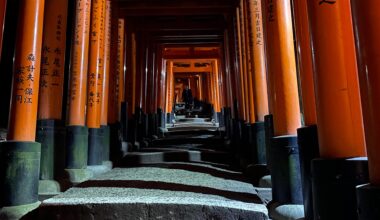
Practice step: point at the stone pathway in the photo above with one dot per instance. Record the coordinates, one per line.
(167, 191)
(182, 177)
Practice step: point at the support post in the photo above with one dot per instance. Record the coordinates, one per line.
(50, 128)
(3, 6)
(367, 32)
(340, 124)
(308, 134)
(95, 83)
(241, 69)
(20, 155)
(105, 84)
(284, 102)
(76, 130)
(259, 78)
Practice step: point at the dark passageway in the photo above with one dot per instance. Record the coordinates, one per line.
(189, 109)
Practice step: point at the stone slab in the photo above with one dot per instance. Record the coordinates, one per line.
(265, 182)
(288, 212)
(157, 193)
(17, 212)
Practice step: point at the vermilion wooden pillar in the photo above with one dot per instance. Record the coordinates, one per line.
(215, 86)
(249, 55)
(307, 135)
(230, 84)
(50, 130)
(243, 102)
(244, 61)
(95, 65)
(282, 74)
(53, 60)
(113, 96)
(367, 31)
(113, 90)
(284, 102)
(120, 64)
(259, 60)
(3, 5)
(23, 116)
(339, 115)
(77, 132)
(305, 65)
(106, 66)
(238, 109)
(105, 83)
(340, 125)
(20, 155)
(259, 78)
(169, 87)
(134, 72)
(95, 82)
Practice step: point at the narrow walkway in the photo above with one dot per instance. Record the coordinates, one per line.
(182, 176)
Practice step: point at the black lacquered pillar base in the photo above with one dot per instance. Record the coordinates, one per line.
(19, 173)
(309, 150)
(334, 184)
(368, 197)
(285, 170)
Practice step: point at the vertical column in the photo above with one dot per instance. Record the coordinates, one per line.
(305, 65)
(338, 102)
(307, 135)
(169, 88)
(3, 5)
(105, 83)
(113, 93)
(114, 74)
(120, 64)
(367, 32)
(20, 156)
(282, 68)
(241, 69)
(77, 132)
(50, 128)
(244, 60)
(95, 83)
(259, 72)
(249, 54)
(284, 101)
(134, 71)
(216, 90)
(340, 125)
(259, 60)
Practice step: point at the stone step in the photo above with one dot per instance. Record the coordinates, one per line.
(209, 139)
(141, 158)
(158, 193)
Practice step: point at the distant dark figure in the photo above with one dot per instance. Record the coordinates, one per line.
(187, 97)
(197, 103)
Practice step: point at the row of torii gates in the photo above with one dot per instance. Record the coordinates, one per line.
(331, 68)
